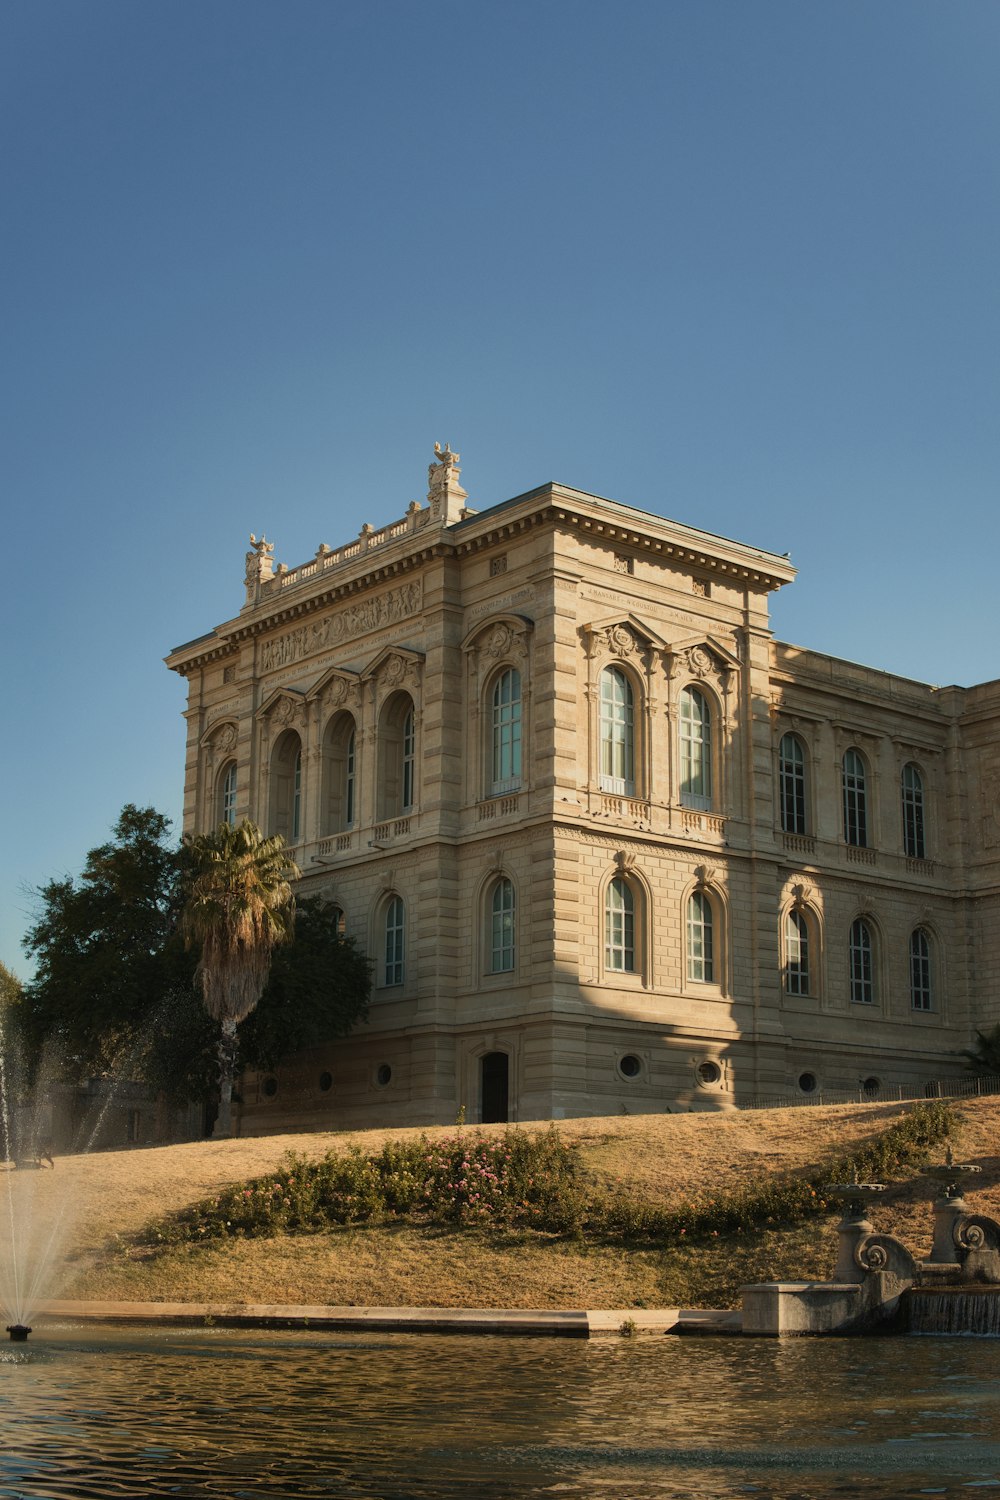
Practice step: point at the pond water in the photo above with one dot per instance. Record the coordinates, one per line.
(252, 1413)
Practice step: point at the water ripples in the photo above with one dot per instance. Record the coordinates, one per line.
(228, 1414)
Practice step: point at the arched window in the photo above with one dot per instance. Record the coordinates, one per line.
(409, 761)
(286, 787)
(619, 927)
(227, 794)
(339, 920)
(792, 784)
(696, 749)
(796, 954)
(297, 797)
(855, 800)
(862, 959)
(502, 927)
(700, 941)
(921, 991)
(913, 812)
(395, 942)
(505, 745)
(397, 746)
(617, 733)
(340, 778)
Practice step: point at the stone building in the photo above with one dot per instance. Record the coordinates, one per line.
(609, 844)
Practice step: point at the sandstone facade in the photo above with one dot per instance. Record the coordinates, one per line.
(609, 844)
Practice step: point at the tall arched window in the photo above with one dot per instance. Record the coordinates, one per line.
(862, 960)
(395, 942)
(913, 812)
(696, 749)
(617, 733)
(796, 954)
(700, 939)
(397, 757)
(855, 800)
(297, 797)
(340, 779)
(339, 920)
(227, 794)
(921, 992)
(409, 761)
(502, 927)
(286, 787)
(619, 927)
(792, 784)
(505, 746)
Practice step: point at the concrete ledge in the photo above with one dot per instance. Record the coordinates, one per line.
(591, 1323)
(772, 1309)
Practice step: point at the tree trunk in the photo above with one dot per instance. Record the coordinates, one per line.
(227, 1070)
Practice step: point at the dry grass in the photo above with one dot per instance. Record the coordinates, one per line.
(668, 1158)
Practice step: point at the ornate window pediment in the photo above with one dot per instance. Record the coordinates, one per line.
(499, 637)
(337, 688)
(623, 636)
(283, 709)
(221, 737)
(703, 656)
(395, 667)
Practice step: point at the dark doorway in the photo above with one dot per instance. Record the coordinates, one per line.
(493, 1076)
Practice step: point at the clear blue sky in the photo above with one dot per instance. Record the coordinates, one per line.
(735, 263)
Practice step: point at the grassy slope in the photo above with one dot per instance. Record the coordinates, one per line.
(669, 1158)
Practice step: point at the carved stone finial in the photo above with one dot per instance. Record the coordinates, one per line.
(260, 565)
(444, 493)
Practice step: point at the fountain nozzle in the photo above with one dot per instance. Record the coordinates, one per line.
(18, 1333)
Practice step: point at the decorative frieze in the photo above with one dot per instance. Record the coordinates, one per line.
(356, 619)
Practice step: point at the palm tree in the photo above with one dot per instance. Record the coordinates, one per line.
(239, 906)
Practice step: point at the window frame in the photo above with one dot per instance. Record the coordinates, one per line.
(228, 791)
(793, 807)
(393, 947)
(854, 787)
(797, 975)
(695, 750)
(617, 744)
(913, 809)
(505, 751)
(862, 973)
(620, 928)
(921, 965)
(501, 911)
(701, 958)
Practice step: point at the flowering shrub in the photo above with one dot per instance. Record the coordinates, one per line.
(524, 1181)
(514, 1180)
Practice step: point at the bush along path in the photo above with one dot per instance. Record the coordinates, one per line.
(523, 1183)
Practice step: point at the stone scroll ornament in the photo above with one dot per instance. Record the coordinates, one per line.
(881, 1252)
(977, 1248)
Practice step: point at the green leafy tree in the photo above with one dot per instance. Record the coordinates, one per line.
(105, 962)
(238, 908)
(11, 989)
(319, 987)
(984, 1057)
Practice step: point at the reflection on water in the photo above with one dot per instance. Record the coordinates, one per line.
(236, 1413)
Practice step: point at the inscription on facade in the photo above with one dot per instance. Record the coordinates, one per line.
(353, 620)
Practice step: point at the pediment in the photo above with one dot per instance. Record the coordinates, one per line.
(395, 664)
(622, 635)
(335, 686)
(282, 706)
(693, 649)
(497, 633)
(221, 736)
